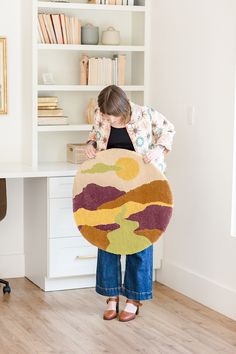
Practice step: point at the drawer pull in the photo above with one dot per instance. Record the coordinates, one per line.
(85, 257)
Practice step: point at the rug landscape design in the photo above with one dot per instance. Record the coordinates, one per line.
(120, 204)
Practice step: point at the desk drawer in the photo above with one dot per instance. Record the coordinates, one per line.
(61, 219)
(60, 187)
(71, 257)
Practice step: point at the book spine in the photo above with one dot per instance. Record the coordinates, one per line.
(49, 99)
(68, 35)
(57, 27)
(49, 27)
(40, 34)
(43, 28)
(89, 71)
(121, 69)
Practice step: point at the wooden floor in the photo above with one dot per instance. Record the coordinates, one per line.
(32, 321)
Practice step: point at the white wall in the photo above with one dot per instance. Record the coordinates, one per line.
(11, 142)
(193, 64)
(11, 124)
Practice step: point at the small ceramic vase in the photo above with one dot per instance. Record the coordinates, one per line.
(89, 34)
(111, 36)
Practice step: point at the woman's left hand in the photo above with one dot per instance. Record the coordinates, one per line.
(154, 154)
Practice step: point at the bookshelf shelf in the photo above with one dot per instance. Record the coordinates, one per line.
(43, 5)
(63, 62)
(65, 128)
(91, 48)
(83, 88)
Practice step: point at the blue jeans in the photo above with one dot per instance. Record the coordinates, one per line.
(137, 279)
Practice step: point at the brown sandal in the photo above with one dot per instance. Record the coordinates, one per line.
(110, 314)
(128, 316)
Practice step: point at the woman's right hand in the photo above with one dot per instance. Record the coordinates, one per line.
(90, 151)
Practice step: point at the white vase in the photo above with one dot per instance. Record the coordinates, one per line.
(110, 36)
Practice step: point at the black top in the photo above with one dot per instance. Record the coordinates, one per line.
(119, 138)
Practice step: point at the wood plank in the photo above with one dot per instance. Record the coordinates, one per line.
(70, 321)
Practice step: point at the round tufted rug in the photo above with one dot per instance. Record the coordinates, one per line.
(121, 204)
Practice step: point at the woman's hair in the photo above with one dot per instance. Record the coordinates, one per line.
(113, 101)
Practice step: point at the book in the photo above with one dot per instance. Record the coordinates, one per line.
(76, 30)
(68, 32)
(50, 112)
(103, 71)
(79, 31)
(53, 121)
(95, 71)
(72, 32)
(44, 106)
(115, 58)
(91, 72)
(63, 27)
(44, 29)
(118, 2)
(40, 33)
(121, 69)
(49, 27)
(51, 99)
(109, 71)
(50, 104)
(57, 27)
(99, 71)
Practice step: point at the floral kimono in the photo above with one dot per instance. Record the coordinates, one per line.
(147, 128)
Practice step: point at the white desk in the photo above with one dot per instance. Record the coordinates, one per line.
(57, 257)
(49, 169)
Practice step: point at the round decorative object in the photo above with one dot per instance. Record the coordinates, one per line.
(111, 36)
(121, 204)
(89, 34)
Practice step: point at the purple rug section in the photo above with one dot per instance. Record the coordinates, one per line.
(109, 227)
(153, 217)
(94, 195)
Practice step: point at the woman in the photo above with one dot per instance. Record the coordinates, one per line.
(119, 123)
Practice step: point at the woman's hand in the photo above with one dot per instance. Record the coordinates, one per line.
(154, 154)
(90, 151)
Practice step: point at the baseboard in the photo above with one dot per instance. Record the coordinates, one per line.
(12, 266)
(199, 288)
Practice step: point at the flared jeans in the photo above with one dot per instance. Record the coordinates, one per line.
(137, 278)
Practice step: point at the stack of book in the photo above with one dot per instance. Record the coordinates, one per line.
(49, 113)
(107, 71)
(58, 29)
(112, 2)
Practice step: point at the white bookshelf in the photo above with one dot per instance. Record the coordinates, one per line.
(92, 48)
(52, 190)
(82, 5)
(82, 88)
(62, 60)
(65, 128)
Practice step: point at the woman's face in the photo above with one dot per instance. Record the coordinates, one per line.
(112, 119)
